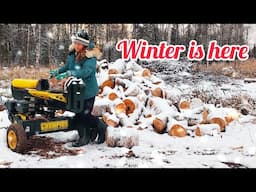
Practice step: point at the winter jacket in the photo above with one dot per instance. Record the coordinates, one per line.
(85, 69)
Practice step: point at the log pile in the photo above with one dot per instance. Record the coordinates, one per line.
(132, 98)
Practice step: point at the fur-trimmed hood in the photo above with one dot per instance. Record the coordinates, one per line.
(89, 53)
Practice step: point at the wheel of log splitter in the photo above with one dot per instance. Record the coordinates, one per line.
(16, 138)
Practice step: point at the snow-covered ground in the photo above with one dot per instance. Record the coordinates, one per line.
(236, 147)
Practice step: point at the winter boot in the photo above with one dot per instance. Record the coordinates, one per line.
(101, 129)
(93, 133)
(84, 136)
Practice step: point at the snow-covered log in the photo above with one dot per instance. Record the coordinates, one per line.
(207, 129)
(101, 106)
(116, 67)
(133, 90)
(157, 92)
(217, 116)
(160, 122)
(122, 137)
(175, 128)
(110, 119)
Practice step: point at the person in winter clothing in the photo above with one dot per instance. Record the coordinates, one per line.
(81, 63)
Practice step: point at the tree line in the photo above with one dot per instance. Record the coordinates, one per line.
(47, 44)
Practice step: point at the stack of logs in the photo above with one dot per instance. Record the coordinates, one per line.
(131, 97)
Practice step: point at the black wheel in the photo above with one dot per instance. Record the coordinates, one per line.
(16, 138)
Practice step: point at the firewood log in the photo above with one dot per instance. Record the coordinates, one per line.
(127, 75)
(160, 122)
(132, 90)
(112, 96)
(118, 106)
(157, 92)
(207, 129)
(217, 116)
(110, 120)
(117, 67)
(130, 105)
(176, 128)
(159, 105)
(108, 83)
(121, 137)
(101, 106)
(184, 104)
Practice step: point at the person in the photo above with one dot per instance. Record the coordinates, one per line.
(81, 63)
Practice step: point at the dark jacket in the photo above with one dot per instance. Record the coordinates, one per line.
(85, 69)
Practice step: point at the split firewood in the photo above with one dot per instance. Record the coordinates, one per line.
(207, 129)
(175, 128)
(122, 137)
(110, 119)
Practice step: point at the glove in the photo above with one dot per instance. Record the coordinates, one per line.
(54, 73)
(63, 75)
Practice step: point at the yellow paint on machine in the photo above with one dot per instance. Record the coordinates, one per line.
(24, 83)
(47, 95)
(54, 125)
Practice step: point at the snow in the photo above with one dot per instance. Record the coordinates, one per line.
(236, 145)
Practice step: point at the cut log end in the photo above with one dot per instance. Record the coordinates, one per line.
(159, 125)
(157, 92)
(108, 83)
(184, 105)
(109, 121)
(221, 122)
(112, 71)
(112, 96)
(198, 132)
(130, 106)
(120, 108)
(178, 131)
(146, 73)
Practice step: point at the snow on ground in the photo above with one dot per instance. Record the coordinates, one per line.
(234, 148)
(237, 145)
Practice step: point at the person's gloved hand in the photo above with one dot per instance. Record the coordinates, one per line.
(63, 75)
(54, 73)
